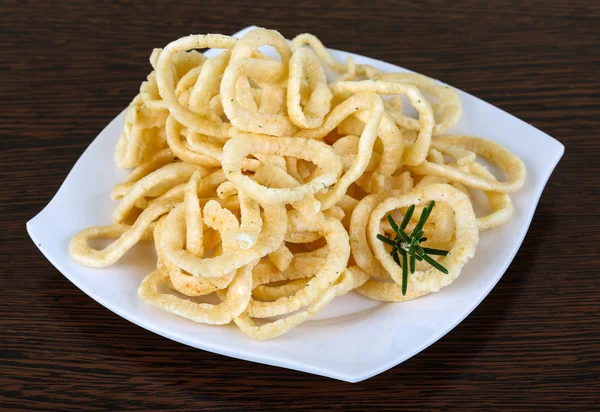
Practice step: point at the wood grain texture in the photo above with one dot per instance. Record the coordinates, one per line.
(68, 67)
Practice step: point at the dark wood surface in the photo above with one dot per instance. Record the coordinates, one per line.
(69, 67)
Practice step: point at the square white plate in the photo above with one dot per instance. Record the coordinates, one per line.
(353, 338)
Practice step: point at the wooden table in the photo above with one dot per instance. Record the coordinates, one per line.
(69, 68)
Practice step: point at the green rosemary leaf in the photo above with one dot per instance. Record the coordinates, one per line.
(392, 222)
(435, 264)
(422, 219)
(429, 208)
(431, 251)
(404, 274)
(407, 216)
(387, 240)
(419, 250)
(394, 254)
(402, 235)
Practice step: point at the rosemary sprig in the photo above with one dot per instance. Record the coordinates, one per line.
(408, 247)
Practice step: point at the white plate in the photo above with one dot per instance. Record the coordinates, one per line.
(353, 338)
